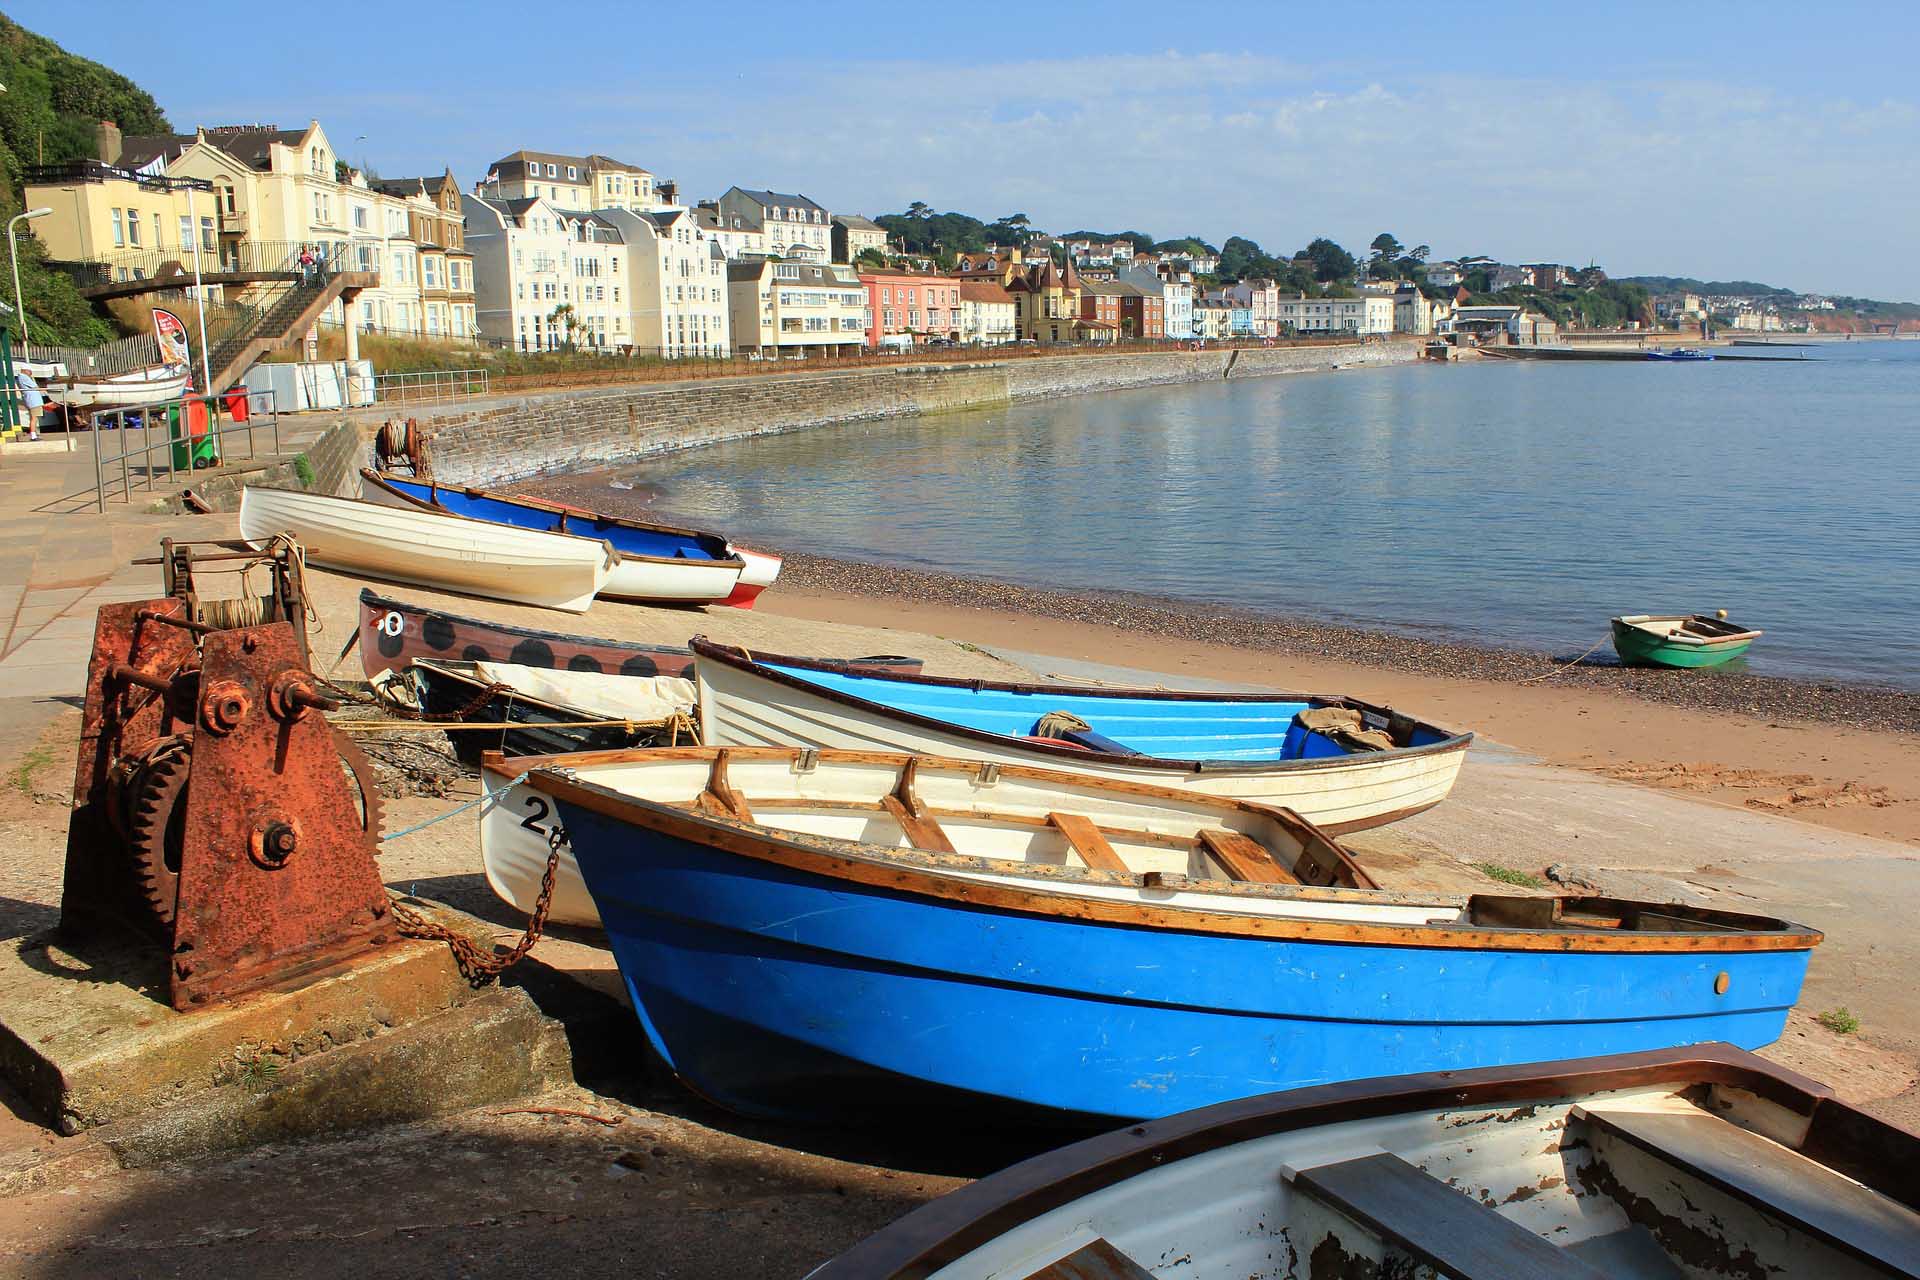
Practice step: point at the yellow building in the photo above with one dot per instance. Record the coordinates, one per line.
(276, 194)
(573, 182)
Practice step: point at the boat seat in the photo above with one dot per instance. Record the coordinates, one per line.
(1437, 1225)
(1088, 842)
(1244, 858)
(1777, 1180)
(1096, 1261)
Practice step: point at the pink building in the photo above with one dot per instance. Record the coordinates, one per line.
(911, 302)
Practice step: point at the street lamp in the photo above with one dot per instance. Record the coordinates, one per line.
(13, 253)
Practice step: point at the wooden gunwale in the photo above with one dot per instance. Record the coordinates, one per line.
(918, 872)
(739, 659)
(1726, 636)
(943, 1231)
(375, 477)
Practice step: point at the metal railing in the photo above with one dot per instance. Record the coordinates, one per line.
(235, 257)
(181, 447)
(426, 388)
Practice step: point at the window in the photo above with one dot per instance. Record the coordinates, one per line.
(552, 171)
(159, 241)
(573, 173)
(133, 227)
(206, 233)
(186, 231)
(360, 217)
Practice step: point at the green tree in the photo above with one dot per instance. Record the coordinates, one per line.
(1327, 260)
(1384, 263)
(870, 257)
(919, 209)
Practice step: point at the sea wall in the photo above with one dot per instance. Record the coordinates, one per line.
(511, 438)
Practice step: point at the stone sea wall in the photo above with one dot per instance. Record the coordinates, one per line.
(498, 441)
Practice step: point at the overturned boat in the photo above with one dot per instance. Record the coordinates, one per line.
(1341, 763)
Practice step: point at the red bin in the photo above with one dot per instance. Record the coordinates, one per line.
(236, 403)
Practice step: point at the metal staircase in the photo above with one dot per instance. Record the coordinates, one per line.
(272, 324)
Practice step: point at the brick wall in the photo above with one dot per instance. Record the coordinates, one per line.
(516, 437)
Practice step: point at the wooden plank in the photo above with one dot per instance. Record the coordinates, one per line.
(922, 831)
(1439, 1226)
(1088, 842)
(1775, 1179)
(1096, 1261)
(1244, 858)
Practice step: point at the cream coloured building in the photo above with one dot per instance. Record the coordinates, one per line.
(678, 303)
(792, 226)
(988, 314)
(547, 277)
(275, 192)
(1367, 313)
(738, 236)
(796, 308)
(572, 182)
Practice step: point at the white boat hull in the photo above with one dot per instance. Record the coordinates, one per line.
(760, 571)
(120, 391)
(740, 708)
(431, 549)
(691, 581)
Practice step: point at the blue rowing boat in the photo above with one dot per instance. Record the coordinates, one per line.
(832, 934)
(657, 561)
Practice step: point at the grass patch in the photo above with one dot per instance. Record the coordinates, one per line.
(30, 763)
(304, 470)
(1507, 875)
(1839, 1021)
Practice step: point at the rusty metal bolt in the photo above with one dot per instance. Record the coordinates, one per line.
(278, 842)
(292, 694)
(224, 705)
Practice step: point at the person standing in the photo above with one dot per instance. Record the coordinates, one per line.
(31, 403)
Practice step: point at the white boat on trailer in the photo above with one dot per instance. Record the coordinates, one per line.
(92, 393)
(1338, 762)
(431, 548)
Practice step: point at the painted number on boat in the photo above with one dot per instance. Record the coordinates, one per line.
(392, 624)
(537, 811)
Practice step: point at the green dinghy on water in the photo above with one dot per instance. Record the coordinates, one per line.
(1679, 640)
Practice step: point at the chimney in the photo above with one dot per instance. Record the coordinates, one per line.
(106, 142)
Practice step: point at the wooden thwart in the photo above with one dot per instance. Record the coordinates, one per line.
(1087, 842)
(1445, 1229)
(1244, 858)
(1777, 1180)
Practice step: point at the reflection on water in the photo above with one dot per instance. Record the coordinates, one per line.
(1512, 504)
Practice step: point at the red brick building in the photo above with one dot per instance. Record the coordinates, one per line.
(1142, 314)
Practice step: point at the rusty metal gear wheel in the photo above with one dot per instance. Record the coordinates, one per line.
(155, 826)
(360, 770)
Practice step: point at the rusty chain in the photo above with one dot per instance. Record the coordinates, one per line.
(480, 967)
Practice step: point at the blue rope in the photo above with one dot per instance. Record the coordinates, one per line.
(482, 798)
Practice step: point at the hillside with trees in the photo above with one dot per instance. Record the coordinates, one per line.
(52, 103)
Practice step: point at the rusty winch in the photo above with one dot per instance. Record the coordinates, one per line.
(215, 808)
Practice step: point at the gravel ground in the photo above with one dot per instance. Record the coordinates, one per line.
(1766, 696)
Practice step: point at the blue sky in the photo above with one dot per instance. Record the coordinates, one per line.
(1757, 141)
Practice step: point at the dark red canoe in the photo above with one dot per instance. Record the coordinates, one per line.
(393, 633)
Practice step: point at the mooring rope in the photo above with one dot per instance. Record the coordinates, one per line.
(1569, 665)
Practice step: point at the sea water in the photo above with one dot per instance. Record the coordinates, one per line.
(1503, 503)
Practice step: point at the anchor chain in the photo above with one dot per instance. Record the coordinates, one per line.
(482, 966)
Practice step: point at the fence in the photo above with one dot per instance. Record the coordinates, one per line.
(124, 356)
(429, 387)
(191, 433)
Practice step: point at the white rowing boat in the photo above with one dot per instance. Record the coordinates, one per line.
(432, 549)
(1145, 829)
(1278, 748)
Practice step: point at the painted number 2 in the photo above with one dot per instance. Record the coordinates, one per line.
(537, 812)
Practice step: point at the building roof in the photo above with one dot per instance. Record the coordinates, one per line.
(253, 143)
(854, 222)
(403, 186)
(138, 150)
(770, 199)
(983, 291)
(585, 163)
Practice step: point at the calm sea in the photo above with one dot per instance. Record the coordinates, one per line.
(1511, 504)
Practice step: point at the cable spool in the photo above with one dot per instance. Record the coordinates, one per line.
(241, 611)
